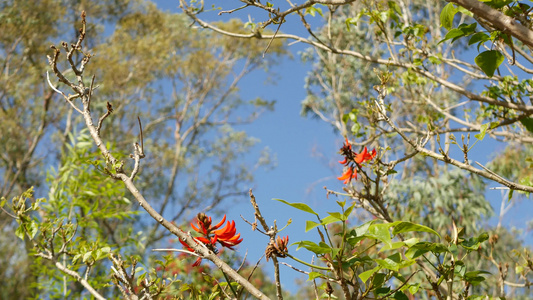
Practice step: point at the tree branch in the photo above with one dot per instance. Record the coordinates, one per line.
(498, 20)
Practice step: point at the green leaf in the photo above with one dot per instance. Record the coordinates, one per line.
(378, 280)
(328, 220)
(366, 274)
(453, 34)
(462, 30)
(75, 258)
(527, 180)
(84, 145)
(353, 239)
(423, 247)
(412, 241)
(214, 295)
(460, 268)
(401, 227)
(349, 21)
(358, 234)
(399, 295)
(474, 277)
(414, 288)
(349, 210)
(33, 229)
(321, 248)
(446, 16)
(382, 291)
(313, 275)
(482, 131)
(497, 3)
(86, 256)
(337, 215)
(20, 232)
(380, 232)
(310, 225)
(362, 229)
(475, 242)
(313, 10)
(479, 37)
(392, 246)
(528, 124)
(300, 206)
(489, 61)
(392, 262)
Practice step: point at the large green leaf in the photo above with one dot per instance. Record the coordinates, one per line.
(362, 229)
(462, 30)
(446, 16)
(392, 262)
(379, 232)
(475, 242)
(399, 295)
(366, 274)
(321, 248)
(479, 37)
(489, 61)
(300, 206)
(424, 247)
(528, 123)
(310, 225)
(400, 227)
(474, 277)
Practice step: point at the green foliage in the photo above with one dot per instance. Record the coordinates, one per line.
(142, 49)
(446, 16)
(379, 272)
(489, 61)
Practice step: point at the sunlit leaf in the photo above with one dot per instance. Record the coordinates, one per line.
(300, 206)
(446, 16)
(401, 227)
(489, 61)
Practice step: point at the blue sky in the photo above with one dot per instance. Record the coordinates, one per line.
(306, 151)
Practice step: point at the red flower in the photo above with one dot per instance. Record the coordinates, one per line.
(353, 160)
(226, 236)
(364, 156)
(348, 175)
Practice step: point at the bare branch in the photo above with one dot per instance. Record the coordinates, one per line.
(452, 86)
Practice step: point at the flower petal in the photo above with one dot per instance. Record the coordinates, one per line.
(219, 223)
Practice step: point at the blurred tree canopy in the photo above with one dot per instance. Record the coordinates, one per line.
(138, 50)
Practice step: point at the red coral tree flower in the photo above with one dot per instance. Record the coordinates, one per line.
(226, 236)
(352, 160)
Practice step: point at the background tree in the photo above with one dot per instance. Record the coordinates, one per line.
(191, 131)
